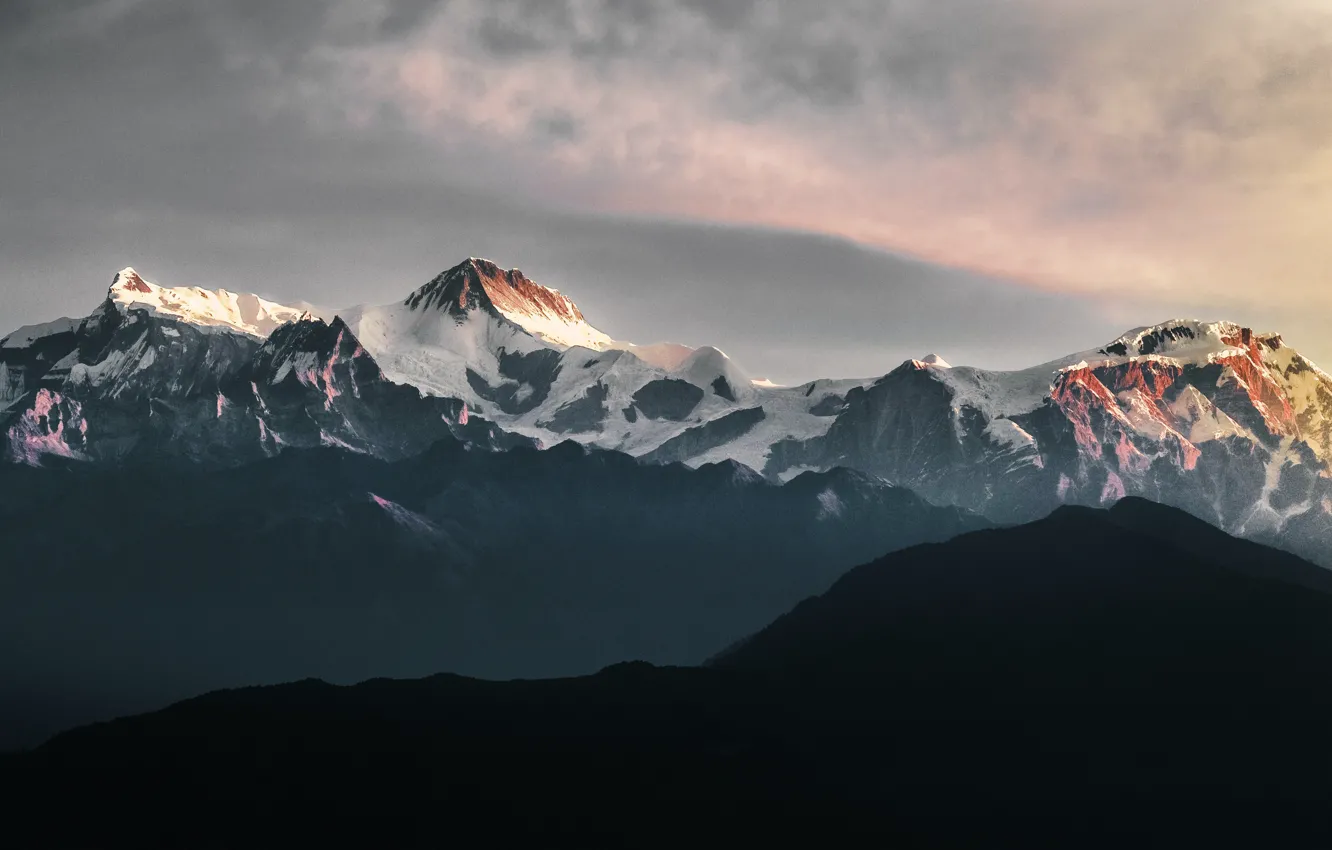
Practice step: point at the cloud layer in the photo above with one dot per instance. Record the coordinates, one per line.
(1104, 144)
(1124, 160)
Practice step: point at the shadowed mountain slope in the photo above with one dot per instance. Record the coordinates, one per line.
(1084, 657)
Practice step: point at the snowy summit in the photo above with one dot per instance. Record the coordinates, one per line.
(242, 312)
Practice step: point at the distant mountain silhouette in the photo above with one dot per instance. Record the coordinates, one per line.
(1118, 657)
(123, 589)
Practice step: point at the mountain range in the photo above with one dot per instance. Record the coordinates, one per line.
(1232, 425)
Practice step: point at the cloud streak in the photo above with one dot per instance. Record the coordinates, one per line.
(1106, 146)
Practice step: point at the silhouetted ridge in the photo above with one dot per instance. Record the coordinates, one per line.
(329, 562)
(1074, 659)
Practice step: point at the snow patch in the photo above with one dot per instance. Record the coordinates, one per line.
(238, 312)
(1264, 515)
(406, 518)
(1204, 421)
(831, 505)
(1065, 484)
(1113, 490)
(28, 334)
(663, 355)
(1008, 433)
(330, 441)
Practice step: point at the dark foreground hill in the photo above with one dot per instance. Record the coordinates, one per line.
(1109, 657)
(125, 589)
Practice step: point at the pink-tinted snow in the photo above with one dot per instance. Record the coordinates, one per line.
(34, 435)
(1065, 484)
(1113, 489)
(330, 391)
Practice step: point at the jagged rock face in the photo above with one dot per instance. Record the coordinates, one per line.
(1232, 425)
(906, 428)
(668, 398)
(526, 379)
(481, 285)
(702, 439)
(582, 415)
(29, 354)
(456, 292)
(54, 425)
(146, 356)
(313, 384)
(525, 354)
(1229, 424)
(132, 382)
(134, 376)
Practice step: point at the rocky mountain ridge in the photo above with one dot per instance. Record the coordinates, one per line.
(1230, 424)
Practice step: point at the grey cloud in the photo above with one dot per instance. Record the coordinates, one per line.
(951, 75)
(508, 39)
(829, 75)
(556, 125)
(166, 153)
(404, 16)
(163, 160)
(17, 13)
(726, 14)
(517, 28)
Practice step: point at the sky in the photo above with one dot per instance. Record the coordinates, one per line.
(818, 189)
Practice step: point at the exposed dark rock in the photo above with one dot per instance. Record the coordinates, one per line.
(830, 405)
(668, 398)
(585, 415)
(706, 437)
(722, 387)
(530, 375)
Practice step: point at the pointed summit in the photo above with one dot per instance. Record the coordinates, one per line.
(128, 280)
(457, 291)
(479, 284)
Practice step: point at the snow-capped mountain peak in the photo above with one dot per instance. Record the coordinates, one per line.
(711, 368)
(239, 312)
(128, 280)
(1185, 340)
(479, 284)
(547, 315)
(456, 291)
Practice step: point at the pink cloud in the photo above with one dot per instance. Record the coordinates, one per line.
(1105, 146)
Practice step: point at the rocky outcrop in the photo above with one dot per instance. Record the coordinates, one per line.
(1212, 417)
(133, 383)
